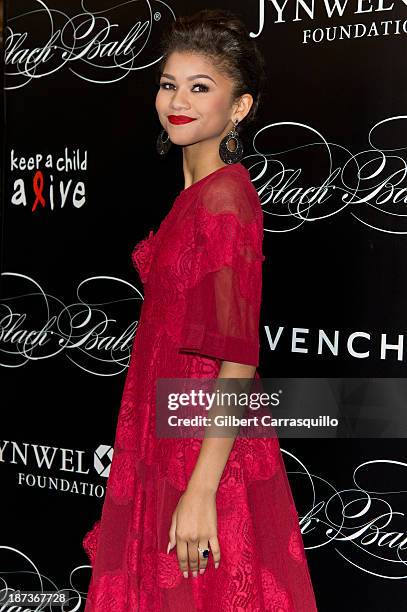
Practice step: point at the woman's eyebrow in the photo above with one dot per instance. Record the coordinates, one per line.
(190, 78)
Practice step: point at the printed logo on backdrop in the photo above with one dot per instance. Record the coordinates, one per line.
(44, 181)
(90, 332)
(369, 185)
(51, 467)
(377, 18)
(366, 527)
(93, 45)
(358, 344)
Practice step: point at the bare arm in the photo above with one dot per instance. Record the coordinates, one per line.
(214, 451)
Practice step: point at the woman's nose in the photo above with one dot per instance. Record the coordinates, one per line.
(180, 98)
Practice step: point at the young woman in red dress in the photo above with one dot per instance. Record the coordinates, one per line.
(193, 524)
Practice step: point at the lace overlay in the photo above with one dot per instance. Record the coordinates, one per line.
(201, 274)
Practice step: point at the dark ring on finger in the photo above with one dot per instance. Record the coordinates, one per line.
(204, 551)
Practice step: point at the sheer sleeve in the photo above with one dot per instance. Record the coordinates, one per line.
(224, 296)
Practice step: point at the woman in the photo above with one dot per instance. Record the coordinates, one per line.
(199, 524)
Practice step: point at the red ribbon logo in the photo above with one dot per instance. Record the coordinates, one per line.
(38, 184)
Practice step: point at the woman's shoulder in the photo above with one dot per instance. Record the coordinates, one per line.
(230, 190)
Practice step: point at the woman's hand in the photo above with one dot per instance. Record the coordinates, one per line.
(194, 523)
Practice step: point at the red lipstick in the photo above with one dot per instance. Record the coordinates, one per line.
(179, 119)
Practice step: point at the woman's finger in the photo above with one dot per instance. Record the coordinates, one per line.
(215, 548)
(203, 561)
(182, 554)
(193, 556)
(171, 534)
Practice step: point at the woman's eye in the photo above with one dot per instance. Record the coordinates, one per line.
(201, 85)
(204, 87)
(163, 85)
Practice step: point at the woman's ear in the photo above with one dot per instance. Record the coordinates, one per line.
(243, 106)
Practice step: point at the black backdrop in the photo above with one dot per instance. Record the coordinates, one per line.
(333, 119)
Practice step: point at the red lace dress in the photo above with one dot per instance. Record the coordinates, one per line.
(202, 277)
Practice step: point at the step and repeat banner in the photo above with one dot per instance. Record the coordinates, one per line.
(83, 183)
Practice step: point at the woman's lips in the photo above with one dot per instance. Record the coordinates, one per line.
(179, 119)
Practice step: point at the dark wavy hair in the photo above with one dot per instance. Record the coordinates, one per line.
(222, 37)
